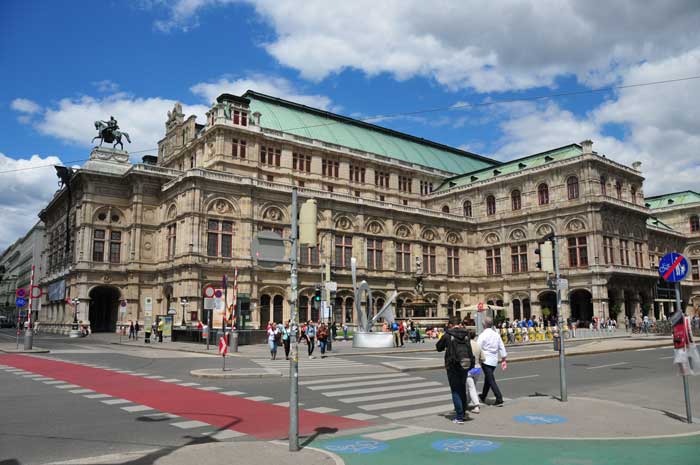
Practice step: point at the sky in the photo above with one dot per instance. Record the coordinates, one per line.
(492, 72)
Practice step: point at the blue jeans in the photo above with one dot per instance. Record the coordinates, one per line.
(457, 379)
(322, 343)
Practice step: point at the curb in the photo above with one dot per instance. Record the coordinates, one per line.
(530, 358)
(22, 351)
(213, 373)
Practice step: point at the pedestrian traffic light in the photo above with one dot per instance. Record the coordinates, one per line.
(546, 253)
(317, 294)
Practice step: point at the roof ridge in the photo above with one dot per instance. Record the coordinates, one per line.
(365, 125)
(687, 191)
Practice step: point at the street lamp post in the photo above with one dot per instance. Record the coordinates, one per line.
(183, 302)
(75, 329)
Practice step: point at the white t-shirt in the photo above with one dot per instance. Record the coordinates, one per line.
(491, 346)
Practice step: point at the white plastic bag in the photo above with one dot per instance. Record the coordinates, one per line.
(694, 359)
(680, 359)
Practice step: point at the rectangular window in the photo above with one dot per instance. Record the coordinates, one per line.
(226, 238)
(172, 237)
(374, 254)
(357, 174)
(518, 257)
(115, 244)
(426, 187)
(240, 117)
(213, 238)
(638, 257)
(308, 255)
(343, 251)
(429, 264)
(624, 253)
(98, 246)
(608, 255)
(301, 162)
(403, 257)
(329, 188)
(493, 262)
(695, 269)
(405, 184)
(330, 168)
(578, 252)
(452, 261)
(381, 179)
(239, 148)
(270, 156)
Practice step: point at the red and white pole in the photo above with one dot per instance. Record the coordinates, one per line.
(29, 307)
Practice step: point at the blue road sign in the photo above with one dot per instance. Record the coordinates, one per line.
(20, 301)
(22, 314)
(673, 267)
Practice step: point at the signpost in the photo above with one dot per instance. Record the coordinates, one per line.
(19, 302)
(673, 268)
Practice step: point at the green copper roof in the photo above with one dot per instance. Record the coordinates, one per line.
(532, 161)
(289, 117)
(652, 221)
(670, 200)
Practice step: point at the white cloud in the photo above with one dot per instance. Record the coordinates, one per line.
(275, 86)
(182, 14)
(24, 105)
(24, 193)
(106, 85)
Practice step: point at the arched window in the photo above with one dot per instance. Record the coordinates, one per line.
(490, 205)
(445, 209)
(468, 209)
(694, 223)
(618, 189)
(543, 194)
(515, 200)
(572, 187)
(603, 185)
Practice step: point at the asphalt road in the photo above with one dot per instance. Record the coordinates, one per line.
(42, 423)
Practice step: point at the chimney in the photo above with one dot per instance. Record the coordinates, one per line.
(637, 166)
(587, 146)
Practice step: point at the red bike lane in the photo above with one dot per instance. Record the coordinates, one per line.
(257, 419)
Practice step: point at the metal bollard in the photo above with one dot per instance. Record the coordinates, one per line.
(234, 341)
(28, 339)
(557, 344)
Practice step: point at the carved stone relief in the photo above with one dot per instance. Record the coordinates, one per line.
(375, 228)
(453, 238)
(429, 235)
(403, 231)
(517, 235)
(492, 238)
(575, 225)
(344, 223)
(544, 229)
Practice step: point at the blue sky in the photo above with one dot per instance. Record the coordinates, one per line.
(69, 63)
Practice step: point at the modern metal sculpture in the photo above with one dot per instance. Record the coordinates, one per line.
(108, 131)
(364, 337)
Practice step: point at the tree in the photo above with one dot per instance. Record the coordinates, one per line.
(546, 312)
(615, 311)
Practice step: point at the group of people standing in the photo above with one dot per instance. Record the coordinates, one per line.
(466, 358)
(279, 334)
(156, 328)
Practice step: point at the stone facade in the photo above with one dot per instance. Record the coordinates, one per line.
(144, 236)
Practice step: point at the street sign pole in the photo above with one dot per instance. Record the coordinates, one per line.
(562, 322)
(294, 360)
(686, 384)
(28, 334)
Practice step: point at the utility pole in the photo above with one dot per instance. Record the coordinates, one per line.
(294, 360)
(562, 322)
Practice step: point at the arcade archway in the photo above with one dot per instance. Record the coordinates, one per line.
(104, 308)
(581, 302)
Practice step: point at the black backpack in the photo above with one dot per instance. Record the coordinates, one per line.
(460, 353)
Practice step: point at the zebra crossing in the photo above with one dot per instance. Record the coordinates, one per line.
(392, 396)
(329, 366)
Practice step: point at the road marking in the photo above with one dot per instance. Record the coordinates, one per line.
(606, 366)
(159, 416)
(188, 384)
(154, 377)
(116, 401)
(406, 387)
(322, 409)
(81, 391)
(405, 403)
(352, 378)
(232, 393)
(189, 424)
(209, 388)
(258, 398)
(395, 433)
(518, 377)
(666, 358)
(648, 348)
(285, 404)
(224, 434)
(67, 386)
(141, 374)
(363, 383)
(136, 408)
(171, 380)
(402, 358)
(392, 395)
(419, 412)
(125, 372)
(360, 416)
(33, 375)
(43, 379)
(54, 382)
(98, 396)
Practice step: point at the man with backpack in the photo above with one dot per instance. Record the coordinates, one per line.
(459, 359)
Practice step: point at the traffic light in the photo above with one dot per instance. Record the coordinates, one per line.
(546, 253)
(317, 294)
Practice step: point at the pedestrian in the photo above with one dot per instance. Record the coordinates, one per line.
(311, 337)
(395, 331)
(474, 374)
(322, 338)
(491, 347)
(286, 338)
(131, 330)
(459, 359)
(137, 328)
(272, 340)
(345, 331)
(334, 331)
(161, 327)
(147, 331)
(402, 332)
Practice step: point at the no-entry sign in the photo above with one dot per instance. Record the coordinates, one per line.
(673, 267)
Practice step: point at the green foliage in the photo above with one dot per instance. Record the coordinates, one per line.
(546, 312)
(500, 317)
(646, 308)
(615, 311)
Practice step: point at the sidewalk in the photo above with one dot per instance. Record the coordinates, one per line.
(11, 348)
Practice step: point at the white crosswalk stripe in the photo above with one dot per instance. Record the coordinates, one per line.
(328, 366)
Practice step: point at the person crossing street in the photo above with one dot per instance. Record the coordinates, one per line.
(459, 359)
(492, 347)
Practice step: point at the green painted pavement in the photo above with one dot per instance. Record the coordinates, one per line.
(476, 450)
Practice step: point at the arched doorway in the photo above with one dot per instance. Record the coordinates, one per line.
(104, 305)
(349, 310)
(264, 310)
(581, 302)
(304, 308)
(516, 309)
(527, 311)
(278, 308)
(548, 304)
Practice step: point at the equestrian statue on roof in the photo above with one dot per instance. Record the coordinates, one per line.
(108, 131)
